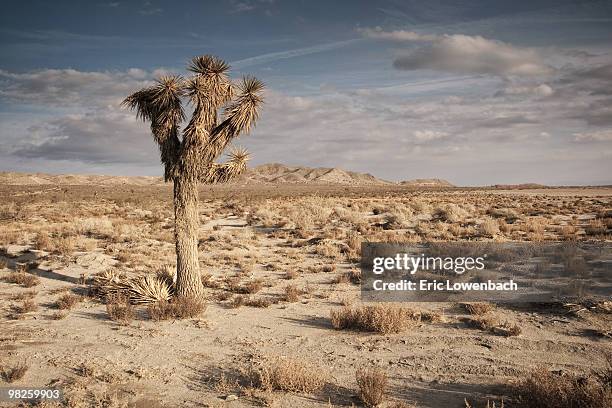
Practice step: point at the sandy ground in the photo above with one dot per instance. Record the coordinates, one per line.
(193, 362)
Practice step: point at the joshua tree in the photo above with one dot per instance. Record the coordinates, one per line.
(189, 157)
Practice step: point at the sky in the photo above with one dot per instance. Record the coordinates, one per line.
(474, 92)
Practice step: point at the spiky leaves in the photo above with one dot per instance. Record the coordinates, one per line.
(209, 89)
(161, 105)
(224, 172)
(240, 117)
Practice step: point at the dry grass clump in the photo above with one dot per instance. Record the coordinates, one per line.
(238, 301)
(288, 374)
(544, 389)
(251, 287)
(450, 213)
(59, 315)
(482, 322)
(291, 274)
(352, 276)
(177, 308)
(489, 227)
(292, 293)
(383, 319)
(26, 306)
(27, 280)
(119, 308)
(431, 316)
(478, 308)
(67, 301)
(15, 373)
(29, 294)
(372, 384)
(508, 329)
(258, 302)
(596, 227)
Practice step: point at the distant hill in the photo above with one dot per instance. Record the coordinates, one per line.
(274, 173)
(280, 173)
(426, 183)
(32, 179)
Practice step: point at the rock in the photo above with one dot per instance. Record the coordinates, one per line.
(231, 397)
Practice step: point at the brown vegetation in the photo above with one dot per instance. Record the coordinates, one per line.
(383, 319)
(10, 374)
(178, 308)
(372, 384)
(287, 374)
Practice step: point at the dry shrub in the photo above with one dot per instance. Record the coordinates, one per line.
(3, 264)
(292, 274)
(432, 316)
(258, 302)
(67, 301)
(328, 249)
(450, 213)
(288, 374)
(64, 245)
(489, 227)
(383, 319)
(544, 389)
(292, 294)
(478, 308)
(24, 279)
(352, 276)
(119, 308)
(15, 373)
(237, 302)
(59, 315)
(568, 232)
(508, 329)
(482, 322)
(181, 307)
(341, 278)
(43, 242)
(372, 384)
(251, 287)
(595, 227)
(26, 306)
(30, 294)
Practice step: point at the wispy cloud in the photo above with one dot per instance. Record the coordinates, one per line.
(298, 52)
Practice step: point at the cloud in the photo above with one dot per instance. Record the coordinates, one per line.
(541, 90)
(458, 53)
(105, 136)
(70, 87)
(595, 136)
(149, 9)
(298, 52)
(429, 135)
(473, 55)
(397, 35)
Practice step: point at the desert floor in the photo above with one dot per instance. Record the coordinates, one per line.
(276, 260)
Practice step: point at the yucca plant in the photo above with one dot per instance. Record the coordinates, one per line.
(222, 110)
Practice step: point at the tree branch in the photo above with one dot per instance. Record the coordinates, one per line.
(224, 172)
(240, 116)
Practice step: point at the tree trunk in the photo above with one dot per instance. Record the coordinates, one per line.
(186, 225)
